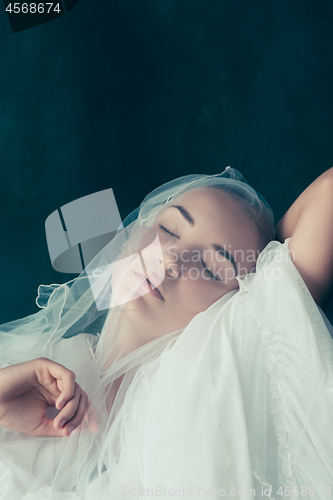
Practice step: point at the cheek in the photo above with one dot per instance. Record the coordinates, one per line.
(126, 286)
(196, 295)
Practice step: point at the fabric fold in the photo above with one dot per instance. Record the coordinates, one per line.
(238, 403)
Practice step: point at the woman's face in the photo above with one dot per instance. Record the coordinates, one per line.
(206, 241)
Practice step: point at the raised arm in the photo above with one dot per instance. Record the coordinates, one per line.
(309, 223)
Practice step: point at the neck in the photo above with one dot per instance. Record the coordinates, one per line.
(122, 336)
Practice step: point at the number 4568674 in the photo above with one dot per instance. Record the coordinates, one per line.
(33, 8)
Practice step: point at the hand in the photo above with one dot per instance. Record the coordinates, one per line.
(27, 389)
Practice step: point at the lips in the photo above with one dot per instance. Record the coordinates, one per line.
(154, 288)
(152, 285)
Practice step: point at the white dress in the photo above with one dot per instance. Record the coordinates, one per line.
(239, 405)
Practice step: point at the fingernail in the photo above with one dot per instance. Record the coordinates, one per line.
(61, 404)
(70, 429)
(62, 423)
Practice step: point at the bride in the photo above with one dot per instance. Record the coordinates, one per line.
(192, 356)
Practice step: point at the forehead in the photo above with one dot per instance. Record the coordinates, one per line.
(218, 214)
(210, 201)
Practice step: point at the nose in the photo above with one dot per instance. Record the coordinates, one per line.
(160, 260)
(171, 268)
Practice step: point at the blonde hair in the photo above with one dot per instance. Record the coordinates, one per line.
(255, 211)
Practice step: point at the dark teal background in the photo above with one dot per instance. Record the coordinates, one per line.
(130, 94)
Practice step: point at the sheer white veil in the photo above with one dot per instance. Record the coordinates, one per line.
(90, 465)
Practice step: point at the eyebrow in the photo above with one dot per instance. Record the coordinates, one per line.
(185, 214)
(218, 248)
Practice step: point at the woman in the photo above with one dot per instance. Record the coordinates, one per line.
(205, 377)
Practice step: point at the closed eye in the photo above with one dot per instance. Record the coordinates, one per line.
(210, 274)
(167, 231)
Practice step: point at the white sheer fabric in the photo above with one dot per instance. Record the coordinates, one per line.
(242, 399)
(238, 404)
